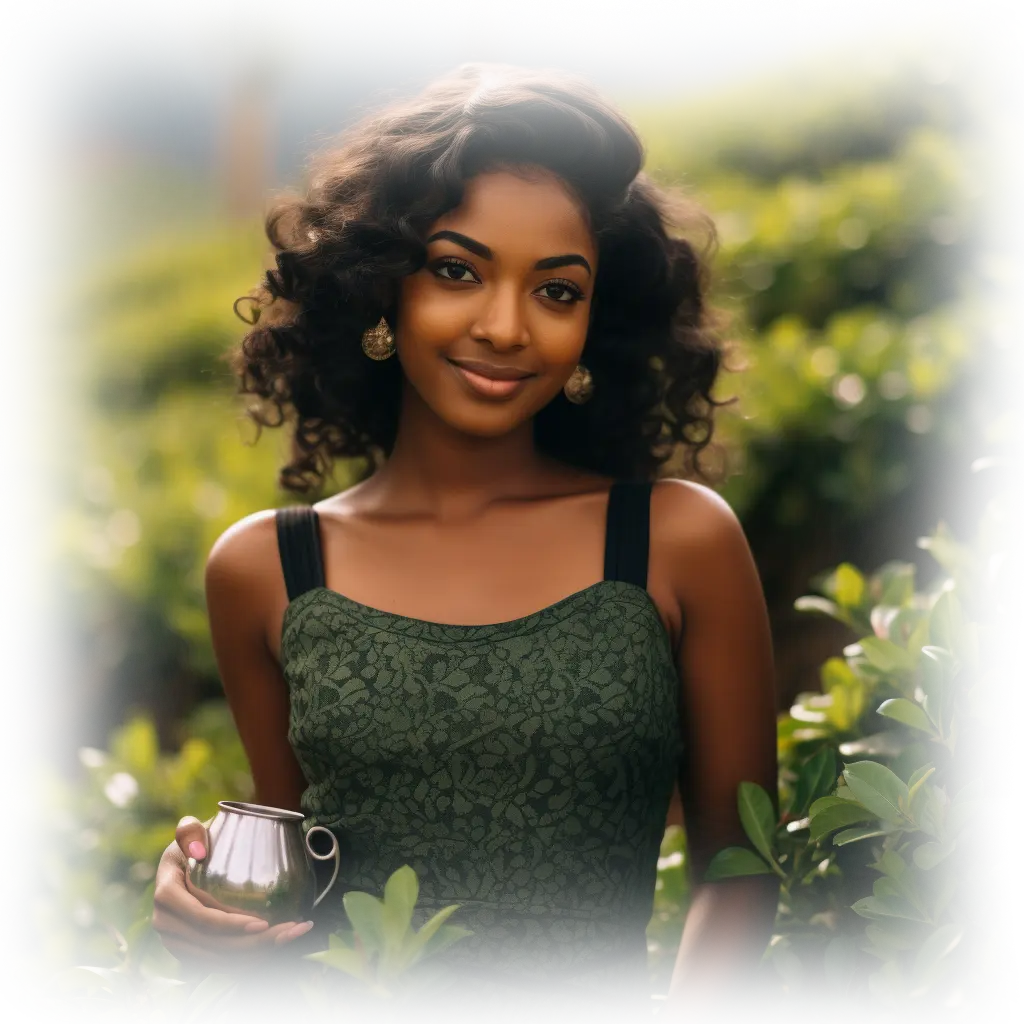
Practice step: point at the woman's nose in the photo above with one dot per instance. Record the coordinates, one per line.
(502, 319)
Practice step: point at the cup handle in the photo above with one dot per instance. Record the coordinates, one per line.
(334, 855)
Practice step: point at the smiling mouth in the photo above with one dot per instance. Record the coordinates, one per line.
(488, 380)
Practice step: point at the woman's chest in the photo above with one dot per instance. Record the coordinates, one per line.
(494, 571)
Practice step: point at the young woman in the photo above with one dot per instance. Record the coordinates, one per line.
(496, 655)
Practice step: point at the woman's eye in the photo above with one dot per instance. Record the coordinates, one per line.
(560, 291)
(452, 270)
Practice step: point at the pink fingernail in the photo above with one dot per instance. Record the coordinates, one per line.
(301, 929)
(196, 849)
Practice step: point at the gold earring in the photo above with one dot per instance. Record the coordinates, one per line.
(379, 342)
(580, 385)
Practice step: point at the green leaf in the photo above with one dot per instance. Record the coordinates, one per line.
(366, 913)
(848, 585)
(758, 817)
(817, 777)
(896, 580)
(735, 862)
(899, 709)
(886, 656)
(853, 835)
(928, 855)
(444, 937)
(936, 948)
(887, 906)
(831, 812)
(938, 668)
(946, 625)
(393, 928)
(206, 993)
(400, 893)
(841, 960)
(416, 944)
(887, 939)
(317, 1001)
(879, 790)
(341, 958)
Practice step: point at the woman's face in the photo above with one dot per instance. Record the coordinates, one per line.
(490, 329)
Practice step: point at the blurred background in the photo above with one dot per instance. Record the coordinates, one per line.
(844, 161)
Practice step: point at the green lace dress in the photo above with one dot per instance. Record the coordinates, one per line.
(523, 769)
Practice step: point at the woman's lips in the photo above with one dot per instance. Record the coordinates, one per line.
(488, 386)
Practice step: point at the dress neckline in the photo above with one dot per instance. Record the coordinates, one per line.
(406, 624)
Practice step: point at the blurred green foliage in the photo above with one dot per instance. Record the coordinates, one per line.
(865, 193)
(109, 827)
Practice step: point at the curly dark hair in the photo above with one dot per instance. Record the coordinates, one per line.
(343, 247)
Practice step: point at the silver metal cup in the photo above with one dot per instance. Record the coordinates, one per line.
(259, 863)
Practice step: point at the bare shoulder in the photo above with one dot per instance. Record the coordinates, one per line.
(687, 514)
(245, 554)
(697, 538)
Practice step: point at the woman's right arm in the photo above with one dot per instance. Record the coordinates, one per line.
(245, 602)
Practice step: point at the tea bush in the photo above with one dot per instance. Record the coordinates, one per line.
(880, 844)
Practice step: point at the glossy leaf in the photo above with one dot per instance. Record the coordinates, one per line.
(886, 656)
(831, 813)
(758, 817)
(899, 709)
(947, 629)
(400, 893)
(929, 855)
(366, 913)
(887, 906)
(817, 777)
(735, 862)
(853, 835)
(878, 789)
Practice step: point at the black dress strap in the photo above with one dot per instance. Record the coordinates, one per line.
(298, 541)
(628, 532)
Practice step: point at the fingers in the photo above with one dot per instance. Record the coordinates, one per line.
(191, 837)
(172, 899)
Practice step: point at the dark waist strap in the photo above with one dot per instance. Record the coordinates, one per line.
(549, 985)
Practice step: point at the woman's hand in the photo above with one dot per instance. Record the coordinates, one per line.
(191, 927)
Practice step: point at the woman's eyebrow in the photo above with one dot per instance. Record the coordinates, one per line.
(481, 250)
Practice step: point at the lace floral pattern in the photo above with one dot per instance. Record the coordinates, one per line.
(523, 769)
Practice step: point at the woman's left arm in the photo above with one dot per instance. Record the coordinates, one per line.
(727, 678)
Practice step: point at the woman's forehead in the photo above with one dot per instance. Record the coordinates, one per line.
(510, 207)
